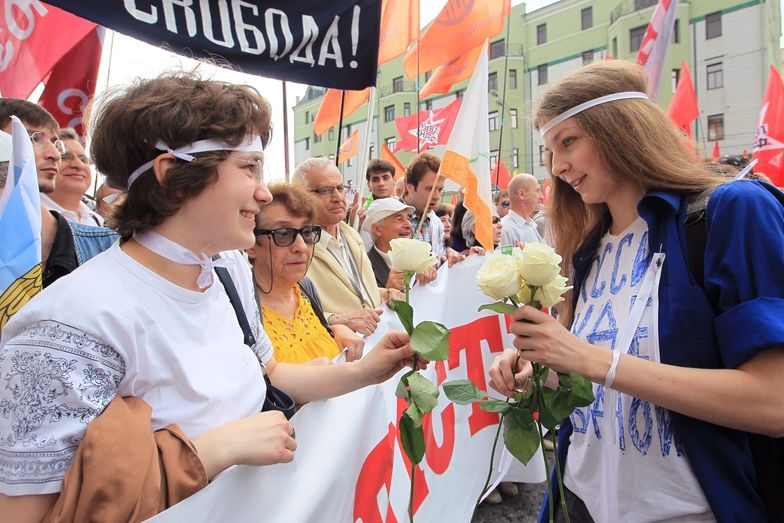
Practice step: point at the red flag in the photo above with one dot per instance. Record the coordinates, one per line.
(500, 176)
(454, 198)
(389, 156)
(608, 56)
(32, 41)
(458, 28)
(716, 152)
(445, 76)
(435, 126)
(683, 108)
(399, 27)
(329, 111)
(745, 153)
(72, 82)
(653, 48)
(769, 143)
(547, 186)
(350, 147)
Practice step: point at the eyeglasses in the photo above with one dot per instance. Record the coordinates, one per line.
(252, 165)
(327, 191)
(496, 220)
(68, 156)
(505, 203)
(285, 236)
(40, 139)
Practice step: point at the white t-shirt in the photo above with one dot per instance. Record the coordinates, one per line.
(115, 327)
(624, 461)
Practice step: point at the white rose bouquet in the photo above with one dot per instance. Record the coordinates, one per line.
(530, 276)
(429, 340)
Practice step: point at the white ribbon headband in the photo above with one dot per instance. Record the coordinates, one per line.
(587, 105)
(251, 144)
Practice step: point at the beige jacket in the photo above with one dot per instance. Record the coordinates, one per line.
(333, 284)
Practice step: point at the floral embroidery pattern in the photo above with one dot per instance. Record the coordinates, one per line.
(54, 380)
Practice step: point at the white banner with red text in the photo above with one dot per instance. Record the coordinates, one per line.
(350, 465)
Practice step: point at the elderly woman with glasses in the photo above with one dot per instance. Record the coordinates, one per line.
(290, 306)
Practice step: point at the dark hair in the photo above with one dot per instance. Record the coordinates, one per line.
(419, 166)
(444, 209)
(497, 197)
(30, 113)
(377, 166)
(734, 160)
(296, 200)
(177, 109)
(68, 134)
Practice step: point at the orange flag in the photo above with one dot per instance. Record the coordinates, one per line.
(445, 76)
(399, 27)
(458, 28)
(329, 112)
(683, 109)
(350, 147)
(716, 152)
(387, 155)
(500, 176)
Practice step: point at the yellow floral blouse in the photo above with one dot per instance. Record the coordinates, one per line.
(300, 339)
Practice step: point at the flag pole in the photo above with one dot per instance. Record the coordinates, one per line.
(419, 40)
(363, 161)
(427, 204)
(503, 99)
(285, 133)
(340, 126)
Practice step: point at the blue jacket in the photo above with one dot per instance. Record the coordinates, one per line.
(90, 241)
(744, 275)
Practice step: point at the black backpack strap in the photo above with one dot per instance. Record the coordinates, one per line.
(311, 294)
(236, 303)
(697, 235)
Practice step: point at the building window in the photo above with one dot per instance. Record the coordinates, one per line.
(307, 116)
(642, 4)
(541, 73)
(541, 155)
(712, 25)
(512, 78)
(635, 38)
(390, 142)
(715, 75)
(492, 82)
(587, 57)
(497, 49)
(493, 159)
(406, 109)
(716, 127)
(492, 119)
(513, 118)
(331, 134)
(675, 76)
(389, 113)
(316, 138)
(676, 32)
(615, 47)
(515, 158)
(586, 17)
(428, 105)
(397, 85)
(459, 94)
(371, 151)
(307, 144)
(428, 74)
(541, 34)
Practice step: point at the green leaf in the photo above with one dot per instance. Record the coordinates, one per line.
(423, 393)
(463, 392)
(493, 405)
(413, 439)
(415, 414)
(556, 408)
(500, 307)
(520, 435)
(401, 391)
(581, 390)
(405, 313)
(431, 341)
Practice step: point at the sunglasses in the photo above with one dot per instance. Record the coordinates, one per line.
(40, 139)
(505, 203)
(285, 236)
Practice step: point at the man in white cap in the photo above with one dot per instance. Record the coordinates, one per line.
(386, 220)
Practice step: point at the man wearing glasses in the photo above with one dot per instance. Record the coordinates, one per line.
(64, 245)
(341, 269)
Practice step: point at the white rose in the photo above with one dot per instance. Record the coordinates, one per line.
(524, 296)
(498, 277)
(538, 263)
(411, 255)
(552, 293)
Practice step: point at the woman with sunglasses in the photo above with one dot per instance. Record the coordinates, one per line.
(290, 306)
(160, 327)
(469, 225)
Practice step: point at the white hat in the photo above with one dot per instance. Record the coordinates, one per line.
(381, 209)
(5, 147)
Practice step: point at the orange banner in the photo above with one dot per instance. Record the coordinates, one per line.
(399, 27)
(329, 112)
(389, 156)
(350, 147)
(447, 75)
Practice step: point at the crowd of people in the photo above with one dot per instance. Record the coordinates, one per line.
(202, 288)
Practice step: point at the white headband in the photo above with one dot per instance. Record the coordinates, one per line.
(251, 144)
(587, 105)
